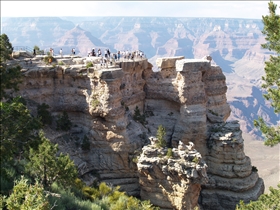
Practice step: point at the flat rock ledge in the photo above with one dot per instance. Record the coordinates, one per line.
(171, 180)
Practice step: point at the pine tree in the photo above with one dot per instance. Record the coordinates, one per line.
(161, 136)
(272, 73)
(18, 129)
(265, 201)
(27, 196)
(49, 167)
(6, 48)
(10, 76)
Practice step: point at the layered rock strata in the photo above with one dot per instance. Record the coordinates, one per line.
(231, 176)
(184, 91)
(187, 97)
(171, 179)
(100, 103)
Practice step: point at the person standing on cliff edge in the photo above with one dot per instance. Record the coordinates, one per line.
(60, 52)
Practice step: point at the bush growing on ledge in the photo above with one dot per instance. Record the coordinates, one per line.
(90, 64)
(135, 160)
(63, 123)
(139, 117)
(94, 103)
(254, 169)
(169, 153)
(43, 113)
(195, 160)
(48, 59)
(161, 136)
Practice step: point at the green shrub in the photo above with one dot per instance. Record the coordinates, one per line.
(44, 115)
(267, 201)
(94, 101)
(2, 201)
(135, 160)
(48, 59)
(63, 123)
(27, 196)
(195, 160)
(161, 136)
(139, 117)
(254, 169)
(90, 64)
(169, 153)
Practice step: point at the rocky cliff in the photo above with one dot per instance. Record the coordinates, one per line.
(187, 97)
(234, 44)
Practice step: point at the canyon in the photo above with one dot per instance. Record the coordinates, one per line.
(234, 45)
(119, 108)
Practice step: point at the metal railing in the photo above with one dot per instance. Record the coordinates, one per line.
(23, 48)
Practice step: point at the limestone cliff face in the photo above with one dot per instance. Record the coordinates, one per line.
(100, 104)
(187, 97)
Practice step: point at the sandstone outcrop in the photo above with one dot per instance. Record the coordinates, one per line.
(187, 97)
(231, 176)
(171, 181)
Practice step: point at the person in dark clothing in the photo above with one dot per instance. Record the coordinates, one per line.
(34, 52)
(93, 52)
(108, 51)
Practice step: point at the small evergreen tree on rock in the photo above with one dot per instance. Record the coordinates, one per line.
(161, 136)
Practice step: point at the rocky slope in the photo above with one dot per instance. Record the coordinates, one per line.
(115, 110)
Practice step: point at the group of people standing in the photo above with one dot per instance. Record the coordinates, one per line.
(110, 58)
(117, 56)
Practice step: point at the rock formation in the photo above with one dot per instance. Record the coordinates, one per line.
(231, 176)
(171, 181)
(186, 96)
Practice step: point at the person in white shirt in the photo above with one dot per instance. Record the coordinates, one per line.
(60, 52)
